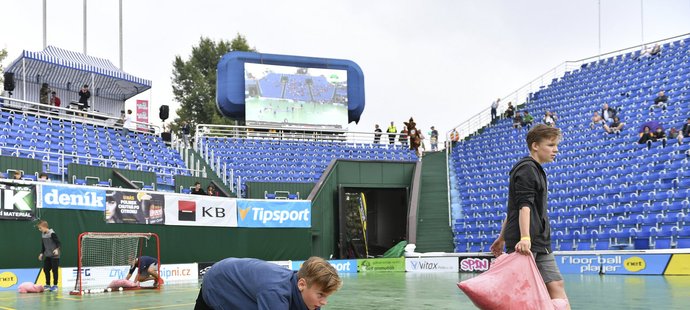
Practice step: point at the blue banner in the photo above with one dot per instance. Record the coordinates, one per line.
(646, 264)
(10, 279)
(71, 197)
(341, 265)
(273, 213)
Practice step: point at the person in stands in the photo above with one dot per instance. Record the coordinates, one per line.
(84, 95)
(660, 102)
(391, 133)
(517, 120)
(404, 138)
(55, 100)
(615, 127)
(211, 190)
(596, 120)
(549, 120)
(675, 134)
(607, 113)
(377, 135)
(527, 120)
(510, 110)
(646, 136)
(494, 108)
(197, 190)
(660, 135)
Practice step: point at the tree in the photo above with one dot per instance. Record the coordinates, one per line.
(3, 55)
(194, 82)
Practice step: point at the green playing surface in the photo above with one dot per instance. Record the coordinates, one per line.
(393, 291)
(278, 111)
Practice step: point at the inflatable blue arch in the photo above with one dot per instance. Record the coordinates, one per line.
(230, 88)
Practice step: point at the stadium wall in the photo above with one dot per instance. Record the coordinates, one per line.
(256, 190)
(350, 174)
(21, 241)
(81, 171)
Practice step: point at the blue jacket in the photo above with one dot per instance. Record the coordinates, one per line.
(246, 284)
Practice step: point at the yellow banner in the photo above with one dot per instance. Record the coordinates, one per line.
(679, 265)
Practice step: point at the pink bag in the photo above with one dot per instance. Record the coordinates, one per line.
(122, 283)
(28, 287)
(512, 282)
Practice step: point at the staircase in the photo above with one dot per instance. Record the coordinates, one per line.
(433, 231)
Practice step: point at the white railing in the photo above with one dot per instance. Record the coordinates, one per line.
(71, 114)
(48, 157)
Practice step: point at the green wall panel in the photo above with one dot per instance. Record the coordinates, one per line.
(28, 165)
(355, 174)
(255, 190)
(103, 173)
(21, 241)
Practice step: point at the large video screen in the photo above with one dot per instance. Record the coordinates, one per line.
(295, 96)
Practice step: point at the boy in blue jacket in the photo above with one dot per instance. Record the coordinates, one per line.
(246, 283)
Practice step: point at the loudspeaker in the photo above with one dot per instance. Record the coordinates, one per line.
(166, 136)
(164, 112)
(9, 81)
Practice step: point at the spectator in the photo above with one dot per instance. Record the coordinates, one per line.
(686, 128)
(211, 190)
(596, 120)
(659, 102)
(607, 113)
(84, 95)
(197, 189)
(527, 120)
(55, 100)
(391, 133)
(549, 119)
(128, 123)
(434, 139)
(646, 136)
(404, 138)
(185, 133)
(44, 94)
(615, 127)
(517, 120)
(17, 175)
(43, 177)
(660, 135)
(454, 137)
(510, 110)
(494, 108)
(655, 50)
(648, 52)
(675, 134)
(377, 135)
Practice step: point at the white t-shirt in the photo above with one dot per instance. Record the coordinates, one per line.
(129, 122)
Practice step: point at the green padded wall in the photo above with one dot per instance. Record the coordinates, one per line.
(28, 165)
(21, 241)
(351, 174)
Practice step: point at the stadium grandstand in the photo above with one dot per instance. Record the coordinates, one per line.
(607, 191)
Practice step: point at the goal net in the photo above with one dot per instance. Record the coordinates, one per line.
(106, 256)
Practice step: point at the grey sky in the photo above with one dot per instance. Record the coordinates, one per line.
(439, 61)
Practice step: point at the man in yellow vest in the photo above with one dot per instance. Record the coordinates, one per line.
(392, 131)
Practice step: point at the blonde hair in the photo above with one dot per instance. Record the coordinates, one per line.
(317, 271)
(42, 223)
(540, 133)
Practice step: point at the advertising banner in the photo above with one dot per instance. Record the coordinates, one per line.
(10, 279)
(274, 213)
(72, 197)
(679, 265)
(475, 264)
(18, 202)
(431, 264)
(191, 210)
(142, 113)
(645, 264)
(100, 277)
(381, 264)
(134, 207)
(341, 265)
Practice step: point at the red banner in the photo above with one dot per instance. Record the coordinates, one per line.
(142, 113)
